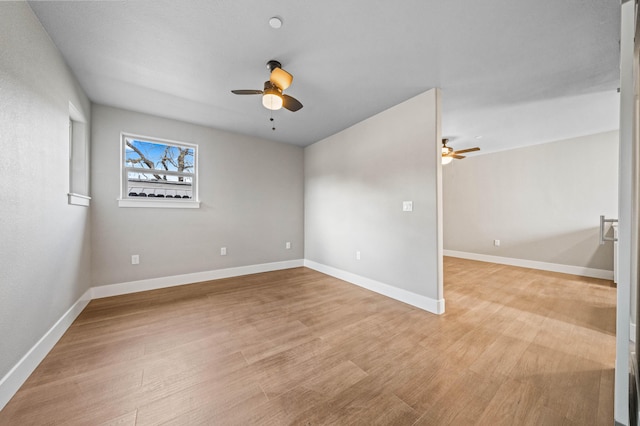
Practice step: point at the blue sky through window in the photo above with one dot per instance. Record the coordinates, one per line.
(143, 154)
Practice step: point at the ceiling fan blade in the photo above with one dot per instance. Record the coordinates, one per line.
(291, 103)
(462, 151)
(281, 78)
(247, 92)
(458, 157)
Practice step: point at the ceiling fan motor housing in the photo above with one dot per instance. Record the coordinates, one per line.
(269, 87)
(446, 150)
(273, 64)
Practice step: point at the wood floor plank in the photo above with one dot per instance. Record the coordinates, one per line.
(514, 403)
(516, 346)
(212, 396)
(364, 403)
(76, 398)
(168, 377)
(605, 398)
(128, 419)
(501, 357)
(292, 407)
(468, 395)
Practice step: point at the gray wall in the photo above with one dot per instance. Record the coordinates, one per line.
(252, 203)
(355, 183)
(44, 241)
(542, 202)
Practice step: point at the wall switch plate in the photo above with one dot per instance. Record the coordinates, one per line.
(287, 245)
(358, 255)
(496, 243)
(223, 251)
(407, 206)
(135, 259)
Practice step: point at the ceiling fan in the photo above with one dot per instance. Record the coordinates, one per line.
(448, 154)
(272, 96)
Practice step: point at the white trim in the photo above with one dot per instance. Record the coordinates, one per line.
(125, 201)
(78, 153)
(20, 372)
(99, 292)
(79, 200)
(628, 164)
(75, 114)
(405, 296)
(632, 332)
(534, 264)
(439, 198)
(156, 203)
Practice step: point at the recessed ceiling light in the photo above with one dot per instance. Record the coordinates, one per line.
(275, 22)
(478, 137)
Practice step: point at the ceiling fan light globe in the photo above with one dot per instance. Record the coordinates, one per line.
(446, 160)
(272, 100)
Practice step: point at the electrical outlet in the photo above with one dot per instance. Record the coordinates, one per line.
(496, 243)
(358, 255)
(135, 259)
(223, 251)
(287, 245)
(407, 206)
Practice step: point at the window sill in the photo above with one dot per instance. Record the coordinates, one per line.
(159, 203)
(79, 200)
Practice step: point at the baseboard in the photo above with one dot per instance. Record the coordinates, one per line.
(15, 378)
(405, 296)
(20, 372)
(99, 292)
(534, 264)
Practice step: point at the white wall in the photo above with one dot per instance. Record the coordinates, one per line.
(542, 202)
(355, 183)
(252, 203)
(44, 241)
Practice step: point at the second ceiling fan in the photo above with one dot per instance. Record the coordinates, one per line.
(448, 154)
(272, 96)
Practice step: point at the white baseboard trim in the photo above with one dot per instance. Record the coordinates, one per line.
(20, 372)
(405, 296)
(99, 292)
(534, 264)
(16, 377)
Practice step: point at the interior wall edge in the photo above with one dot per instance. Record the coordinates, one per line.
(356, 182)
(534, 264)
(423, 302)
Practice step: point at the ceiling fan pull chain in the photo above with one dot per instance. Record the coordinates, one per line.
(273, 127)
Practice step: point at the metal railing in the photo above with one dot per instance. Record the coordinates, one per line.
(603, 238)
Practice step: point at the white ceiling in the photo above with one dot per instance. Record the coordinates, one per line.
(516, 72)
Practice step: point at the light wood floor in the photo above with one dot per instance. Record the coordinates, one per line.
(515, 347)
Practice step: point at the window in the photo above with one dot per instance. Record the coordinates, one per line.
(158, 173)
(78, 159)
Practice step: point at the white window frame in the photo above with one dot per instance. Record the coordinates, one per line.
(126, 201)
(78, 194)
